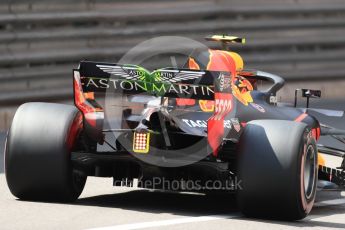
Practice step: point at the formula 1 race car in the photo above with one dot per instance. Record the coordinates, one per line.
(211, 125)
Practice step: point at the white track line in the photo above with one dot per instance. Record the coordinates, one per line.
(330, 202)
(186, 220)
(161, 223)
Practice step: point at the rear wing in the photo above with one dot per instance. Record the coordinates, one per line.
(97, 78)
(167, 82)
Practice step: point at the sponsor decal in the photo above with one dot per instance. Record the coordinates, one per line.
(133, 72)
(236, 124)
(206, 105)
(158, 82)
(203, 123)
(215, 125)
(241, 89)
(154, 88)
(224, 82)
(223, 105)
(258, 107)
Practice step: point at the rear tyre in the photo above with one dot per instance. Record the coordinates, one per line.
(278, 170)
(37, 153)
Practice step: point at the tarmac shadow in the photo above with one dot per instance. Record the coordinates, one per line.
(187, 204)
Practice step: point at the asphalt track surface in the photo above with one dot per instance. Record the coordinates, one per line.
(104, 207)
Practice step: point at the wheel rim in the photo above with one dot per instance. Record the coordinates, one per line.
(309, 171)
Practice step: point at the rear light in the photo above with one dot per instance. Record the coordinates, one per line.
(141, 142)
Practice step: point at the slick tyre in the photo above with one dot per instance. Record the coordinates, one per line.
(278, 170)
(37, 153)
